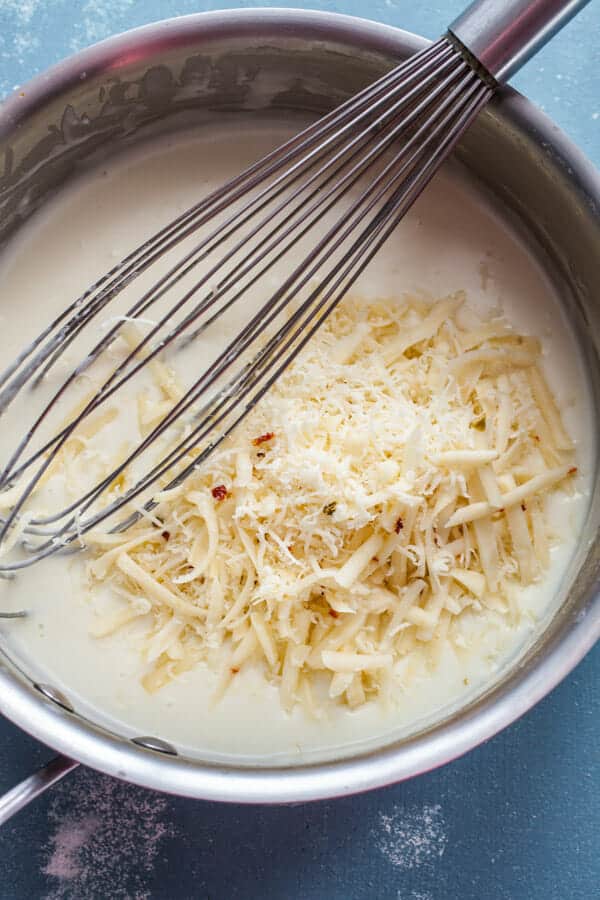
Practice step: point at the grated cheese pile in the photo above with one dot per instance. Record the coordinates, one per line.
(391, 484)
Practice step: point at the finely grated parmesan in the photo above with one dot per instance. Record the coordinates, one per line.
(393, 482)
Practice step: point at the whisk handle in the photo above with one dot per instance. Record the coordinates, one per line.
(503, 34)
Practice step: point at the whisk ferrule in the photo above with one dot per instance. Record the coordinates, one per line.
(501, 35)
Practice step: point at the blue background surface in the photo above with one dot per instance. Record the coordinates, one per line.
(516, 819)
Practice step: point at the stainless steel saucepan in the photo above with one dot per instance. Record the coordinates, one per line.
(186, 73)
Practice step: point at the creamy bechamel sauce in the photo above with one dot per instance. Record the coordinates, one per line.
(448, 242)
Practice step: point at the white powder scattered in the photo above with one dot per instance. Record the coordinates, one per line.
(24, 41)
(411, 837)
(414, 895)
(97, 20)
(104, 838)
(23, 10)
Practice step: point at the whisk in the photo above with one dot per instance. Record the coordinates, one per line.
(358, 169)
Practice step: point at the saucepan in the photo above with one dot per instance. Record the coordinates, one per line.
(186, 73)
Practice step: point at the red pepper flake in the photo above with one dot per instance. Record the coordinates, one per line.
(524, 507)
(234, 670)
(398, 526)
(267, 436)
(166, 535)
(572, 470)
(334, 614)
(537, 438)
(220, 492)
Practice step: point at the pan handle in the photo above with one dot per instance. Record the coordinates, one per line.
(23, 793)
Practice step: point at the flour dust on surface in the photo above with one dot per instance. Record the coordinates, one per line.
(104, 838)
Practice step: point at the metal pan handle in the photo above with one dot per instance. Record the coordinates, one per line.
(22, 794)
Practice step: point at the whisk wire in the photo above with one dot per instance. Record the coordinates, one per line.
(272, 309)
(393, 207)
(377, 232)
(429, 102)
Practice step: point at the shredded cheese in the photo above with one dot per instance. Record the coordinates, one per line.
(394, 478)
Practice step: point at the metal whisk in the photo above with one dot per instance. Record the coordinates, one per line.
(359, 169)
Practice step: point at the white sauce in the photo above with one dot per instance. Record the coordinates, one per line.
(448, 242)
